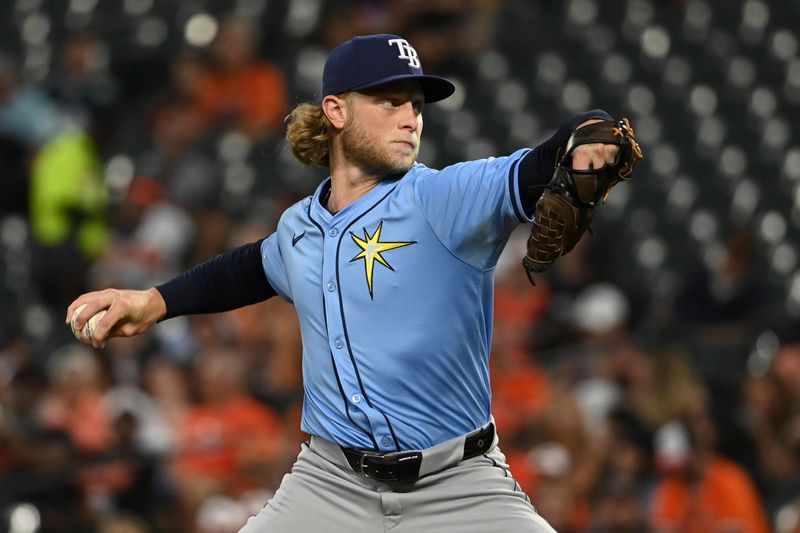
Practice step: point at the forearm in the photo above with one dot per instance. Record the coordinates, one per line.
(228, 281)
(536, 168)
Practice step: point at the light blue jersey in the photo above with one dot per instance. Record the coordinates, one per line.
(395, 299)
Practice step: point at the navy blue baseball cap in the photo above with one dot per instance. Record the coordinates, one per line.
(371, 60)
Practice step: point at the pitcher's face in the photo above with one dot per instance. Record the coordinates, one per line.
(383, 128)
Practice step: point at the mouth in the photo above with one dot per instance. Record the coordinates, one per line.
(411, 145)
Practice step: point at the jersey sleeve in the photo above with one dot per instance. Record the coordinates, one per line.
(227, 281)
(473, 206)
(274, 268)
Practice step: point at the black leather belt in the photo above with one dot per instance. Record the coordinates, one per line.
(405, 466)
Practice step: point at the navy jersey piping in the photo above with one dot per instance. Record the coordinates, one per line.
(333, 361)
(507, 474)
(344, 320)
(512, 190)
(391, 430)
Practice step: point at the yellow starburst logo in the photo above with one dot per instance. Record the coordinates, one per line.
(371, 250)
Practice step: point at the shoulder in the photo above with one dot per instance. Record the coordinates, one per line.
(727, 471)
(418, 172)
(487, 163)
(489, 166)
(296, 213)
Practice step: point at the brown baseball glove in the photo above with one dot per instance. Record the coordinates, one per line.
(566, 207)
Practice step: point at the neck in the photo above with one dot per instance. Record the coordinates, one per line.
(349, 182)
(347, 189)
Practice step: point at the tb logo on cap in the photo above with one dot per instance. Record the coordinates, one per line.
(406, 52)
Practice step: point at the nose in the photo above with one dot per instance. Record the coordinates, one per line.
(409, 118)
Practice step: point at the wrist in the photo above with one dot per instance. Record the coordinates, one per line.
(156, 306)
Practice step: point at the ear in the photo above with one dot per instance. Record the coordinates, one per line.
(335, 110)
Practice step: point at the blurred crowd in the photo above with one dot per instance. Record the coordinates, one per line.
(618, 413)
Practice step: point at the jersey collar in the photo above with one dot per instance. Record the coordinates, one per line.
(369, 199)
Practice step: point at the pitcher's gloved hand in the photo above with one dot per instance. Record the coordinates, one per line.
(566, 207)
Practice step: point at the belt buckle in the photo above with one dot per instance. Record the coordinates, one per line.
(403, 466)
(383, 466)
(362, 462)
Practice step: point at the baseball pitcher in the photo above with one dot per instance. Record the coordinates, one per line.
(390, 266)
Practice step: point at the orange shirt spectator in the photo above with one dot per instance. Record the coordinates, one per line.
(521, 388)
(76, 401)
(227, 443)
(724, 500)
(239, 89)
(85, 418)
(253, 98)
(521, 393)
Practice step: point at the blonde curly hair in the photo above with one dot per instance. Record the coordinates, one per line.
(308, 132)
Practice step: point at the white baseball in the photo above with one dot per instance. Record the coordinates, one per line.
(86, 334)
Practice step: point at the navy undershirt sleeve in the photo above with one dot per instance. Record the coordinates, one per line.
(537, 167)
(228, 281)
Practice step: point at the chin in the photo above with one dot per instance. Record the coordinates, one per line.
(404, 166)
(396, 164)
(386, 163)
(407, 159)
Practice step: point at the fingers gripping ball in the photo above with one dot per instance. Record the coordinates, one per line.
(566, 207)
(86, 334)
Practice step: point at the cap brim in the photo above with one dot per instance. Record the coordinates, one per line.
(434, 88)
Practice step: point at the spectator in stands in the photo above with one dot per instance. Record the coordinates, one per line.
(618, 510)
(554, 491)
(187, 72)
(616, 473)
(521, 386)
(228, 442)
(187, 176)
(68, 195)
(700, 491)
(38, 463)
(122, 478)
(14, 186)
(239, 90)
(27, 114)
(167, 383)
(174, 159)
(447, 34)
(772, 407)
(123, 523)
(75, 402)
(272, 329)
(569, 276)
(727, 293)
(663, 386)
(83, 86)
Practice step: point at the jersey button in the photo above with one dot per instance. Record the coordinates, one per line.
(339, 343)
(333, 232)
(386, 441)
(356, 398)
(331, 287)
